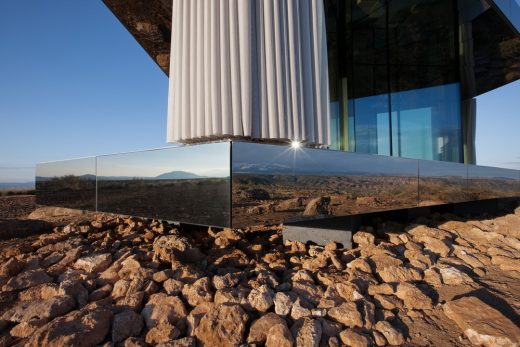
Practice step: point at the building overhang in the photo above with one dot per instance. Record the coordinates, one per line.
(496, 41)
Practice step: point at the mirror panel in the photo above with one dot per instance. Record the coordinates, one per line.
(67, 183)
(184, 184)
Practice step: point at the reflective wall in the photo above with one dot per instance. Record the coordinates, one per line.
(173, 183)
(185, 184)
(68, 183)
(275, 183)
(239, 184)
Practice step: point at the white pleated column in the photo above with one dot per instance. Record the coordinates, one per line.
(248, 68)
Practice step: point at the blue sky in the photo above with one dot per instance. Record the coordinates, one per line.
(74, 83)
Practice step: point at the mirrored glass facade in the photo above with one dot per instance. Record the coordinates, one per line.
(401, 70)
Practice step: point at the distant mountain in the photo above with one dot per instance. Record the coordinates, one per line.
(24, 185)
(178, 175)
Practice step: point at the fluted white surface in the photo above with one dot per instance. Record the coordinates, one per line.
(254, 68)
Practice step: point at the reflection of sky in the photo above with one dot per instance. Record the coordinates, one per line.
(203, 160)
(76, 167)
(270, 158)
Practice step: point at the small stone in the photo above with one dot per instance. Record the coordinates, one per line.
(261, 299)
(258, 332)
(378, 338)
(126, 324)
(94, 263)
(172, 287)
(307, 332)
(27, 279)
(362, 238)
(26, 329)
(452, 276)
(161, 333)
(282, 304)
(347, 314)
(388, 302)
(279, 336)
(413, 297)
(298, 311)
(400, 274)
(385, 289)
(226, 281)
(198, 292)
(391, 334)
(224, 325)
(161, 308)
(38, 310)
(12, 267)
(355, 339)
(163, 275)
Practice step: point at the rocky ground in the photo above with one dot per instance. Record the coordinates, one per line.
(114, 281)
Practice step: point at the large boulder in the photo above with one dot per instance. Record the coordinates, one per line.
(224, 325)
(482, 324)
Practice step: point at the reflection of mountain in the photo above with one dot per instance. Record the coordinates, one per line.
(173, 175)
(24, 185)
(314, 170)
(178, 175)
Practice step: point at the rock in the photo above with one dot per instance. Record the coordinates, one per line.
(360, 264)
(436, 246)
(307, 332)
(400, 274)
(282, 304)
(101, 293)
(388, 302)
(236, 295)
(198, 292)
(413, 297)
(120, 289)
(362, 238)
(40, 292)
(161, 333)
(27, 279)
(432, 276)
(86, 327)
(126, 324)
(163, 275)
(385, 289)
(161, 308)
(308, 290)
(38, 310)
(226, 281)
(196, 315)
(481, 323)
(26, 329)
(134, 342)
(279, 336)
(391, 334)
(261, 299)
(170, 248)
(355, 339)
(299, 311)
(184, 342)
(318, 206)
(12, 267)
(348, 291)
(172, 287)
(452, 276)
(258, 332)
(132, 301)
(255, 194)
(347, 314)
(378, 338)
(76, 290)
(94, 263)
(223, 325)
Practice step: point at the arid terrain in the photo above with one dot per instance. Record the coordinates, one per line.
(86, 279)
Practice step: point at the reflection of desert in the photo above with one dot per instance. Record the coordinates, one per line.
(203, 200)
(67, 191)
(491, 188)
(274, 198)
(442, 190)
